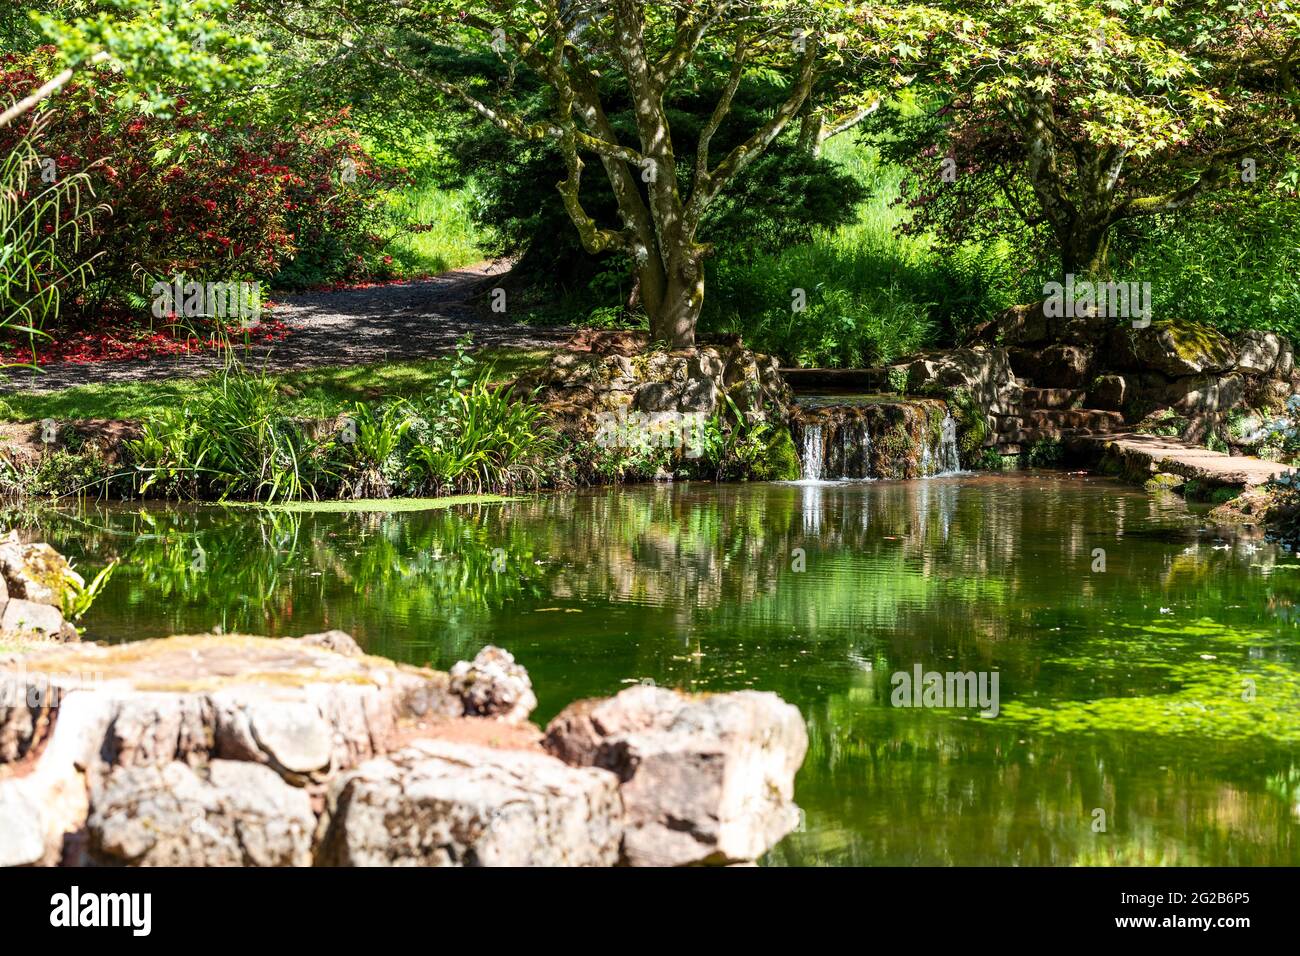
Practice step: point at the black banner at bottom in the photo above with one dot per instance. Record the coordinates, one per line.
(305, 907)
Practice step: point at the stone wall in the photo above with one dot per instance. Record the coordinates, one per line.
(1179, 378)
(647, 394)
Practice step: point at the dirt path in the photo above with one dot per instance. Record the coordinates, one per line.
(352, 327)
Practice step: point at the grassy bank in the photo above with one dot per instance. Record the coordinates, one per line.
(318, 392)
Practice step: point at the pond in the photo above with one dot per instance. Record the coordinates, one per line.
(1148, 671)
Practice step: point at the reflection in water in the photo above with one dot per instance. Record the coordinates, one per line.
(1121, 691)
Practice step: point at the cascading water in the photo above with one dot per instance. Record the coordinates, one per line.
(813, 453)
(866, 437)
(948, 458)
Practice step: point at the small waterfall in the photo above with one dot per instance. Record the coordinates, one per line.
(947, 457)
(867, 437)
(813, 453)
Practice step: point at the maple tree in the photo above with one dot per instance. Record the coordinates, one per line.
(1069, 116)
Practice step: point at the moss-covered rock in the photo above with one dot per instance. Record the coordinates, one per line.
(780, 459)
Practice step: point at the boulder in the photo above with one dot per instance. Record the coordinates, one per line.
(1059, 365)
(1108, 392)
(1258, 352)
(698, 395)
(35, 619)
(493, 685)
(657, 397)
(1173, 348)
(22, 836)
(229, 813)
(1020, 325)
(985, 373)
(340, 642)
(302, 711)
(1029, 325)
(35, 572)
(440, 803)
(704, 779)
(1285, 360)
(1205, 396)
(215, 750)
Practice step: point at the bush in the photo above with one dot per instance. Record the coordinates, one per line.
(236, 440)
(1045, 453)
(202, 197)
(871, 296)
(484, 440)
(1230, 262)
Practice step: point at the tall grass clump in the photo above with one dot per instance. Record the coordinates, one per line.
(484, 440)
(236, 439)
(233, 440)
(41, 230)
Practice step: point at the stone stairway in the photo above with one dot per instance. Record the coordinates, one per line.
(1052, 413)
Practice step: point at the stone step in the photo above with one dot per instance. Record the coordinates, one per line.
(1028, 436)
(1051, 397)
(1138, 457)
(1090, 419)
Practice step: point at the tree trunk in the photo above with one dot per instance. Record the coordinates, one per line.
(679, 309)
(1085, 251)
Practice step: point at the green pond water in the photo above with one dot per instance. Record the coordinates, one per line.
(1163, 692)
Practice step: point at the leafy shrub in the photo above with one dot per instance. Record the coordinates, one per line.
(203, 197)
(972, 424)
(237, 441)
(1045, 453)
(371, 450)
(56, 474)
(483, 440)
(78, 598)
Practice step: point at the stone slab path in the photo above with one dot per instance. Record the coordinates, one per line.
(415, 320)
(1153, 453)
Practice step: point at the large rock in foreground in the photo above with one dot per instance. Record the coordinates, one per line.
(229, 750)
(443, 803)
(229, 813)
(704, 779)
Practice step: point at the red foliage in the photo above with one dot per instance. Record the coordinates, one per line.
(123, 337)
(213, 201)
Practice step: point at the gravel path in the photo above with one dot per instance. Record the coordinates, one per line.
(352, 327)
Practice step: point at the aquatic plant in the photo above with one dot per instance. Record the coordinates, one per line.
(372, 446)
(78, 598)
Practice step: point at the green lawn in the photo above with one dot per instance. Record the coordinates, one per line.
(319, 392)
